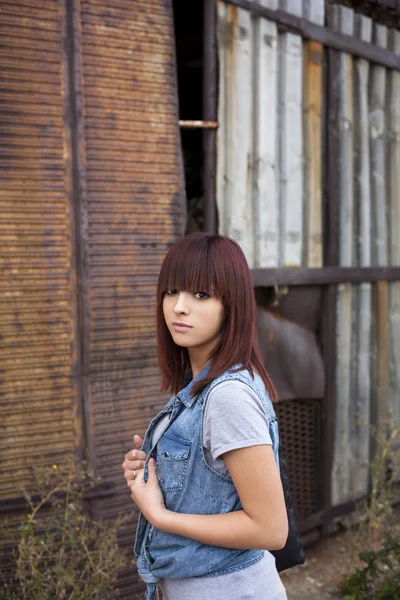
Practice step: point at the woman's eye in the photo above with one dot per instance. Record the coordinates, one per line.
(171, 292)
(202, 295)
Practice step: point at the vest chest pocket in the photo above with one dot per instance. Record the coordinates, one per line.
(172, 461)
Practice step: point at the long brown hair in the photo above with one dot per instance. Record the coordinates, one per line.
(213, 264)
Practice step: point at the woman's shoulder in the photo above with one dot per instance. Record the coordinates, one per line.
(240, 378)
(231, 393)
(239, 387)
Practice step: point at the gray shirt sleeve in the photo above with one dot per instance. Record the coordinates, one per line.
(234, 418)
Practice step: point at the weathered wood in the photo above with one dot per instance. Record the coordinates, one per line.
(394, 249)
(291, 140)
(265, 152)
(222, 33)
(377, 132)
(343, 457)
(323, 276)
(329, 38)
(381, 391)
(361, 379)
(238, 218)
(377, 141)
(313, 59)
(314, 10)
(385, 12)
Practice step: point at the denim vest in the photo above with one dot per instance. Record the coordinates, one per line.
(190, 486)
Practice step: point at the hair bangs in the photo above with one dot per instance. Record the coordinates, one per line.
(189, 266)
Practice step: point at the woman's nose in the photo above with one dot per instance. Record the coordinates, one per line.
(181, 304)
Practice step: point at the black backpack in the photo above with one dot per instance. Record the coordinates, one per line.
(292, 553)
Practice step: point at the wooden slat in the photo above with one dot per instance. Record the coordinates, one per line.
(377, 131)
(361, 379)
(239, 213)
(291, 143)
(394, 249)
(328, 37)
(342, 453)
(265, 150)
(313, 74)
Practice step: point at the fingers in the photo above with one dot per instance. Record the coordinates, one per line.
(131, 465)
(138, 441)
(134, 462)
(130, 475)
(136, 455)
(137, 484)
(152, 472)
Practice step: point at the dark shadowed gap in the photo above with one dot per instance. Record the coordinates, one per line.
(188, 21)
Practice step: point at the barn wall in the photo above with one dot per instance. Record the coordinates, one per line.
(273, 144)
(91, 199)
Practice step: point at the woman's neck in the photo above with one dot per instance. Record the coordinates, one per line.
(198, 360)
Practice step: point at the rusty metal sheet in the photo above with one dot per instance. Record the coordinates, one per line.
(38, 350)
(131, 182)
(291, 355)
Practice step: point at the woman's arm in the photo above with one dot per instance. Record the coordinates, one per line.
(261, 524)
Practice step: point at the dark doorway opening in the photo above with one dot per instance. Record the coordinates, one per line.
(189, 27)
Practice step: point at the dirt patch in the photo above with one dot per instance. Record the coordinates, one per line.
(328, 561)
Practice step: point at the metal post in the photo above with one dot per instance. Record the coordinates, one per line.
(210, 109)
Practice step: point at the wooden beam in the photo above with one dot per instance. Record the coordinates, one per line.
(332, 39)
(385, 12)
(323, 275)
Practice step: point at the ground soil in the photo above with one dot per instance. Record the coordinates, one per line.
(328, 561)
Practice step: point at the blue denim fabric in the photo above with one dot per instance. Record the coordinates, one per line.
(190, 486)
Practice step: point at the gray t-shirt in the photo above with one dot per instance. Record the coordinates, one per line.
(233, 418)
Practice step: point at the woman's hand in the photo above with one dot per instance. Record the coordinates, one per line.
(134, 461)
(148, 496)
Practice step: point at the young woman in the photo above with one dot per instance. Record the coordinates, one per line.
(206, 478)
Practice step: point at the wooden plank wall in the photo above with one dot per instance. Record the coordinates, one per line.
(367, 385)
(269, 170)
(269, 195)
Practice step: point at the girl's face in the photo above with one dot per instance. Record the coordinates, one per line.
(194, 320)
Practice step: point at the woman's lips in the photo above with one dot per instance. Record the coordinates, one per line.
(181, 326)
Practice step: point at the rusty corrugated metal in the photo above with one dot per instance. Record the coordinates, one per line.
(131, 212)
(38, 409)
